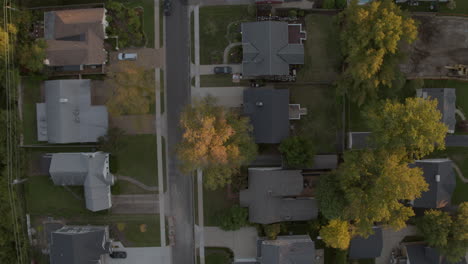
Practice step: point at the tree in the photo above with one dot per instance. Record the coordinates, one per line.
(370, 38)
(272, 231)
(330, 197)
(373, 183)
(435, 227)
(215, 140)
(298, 152)
(112, 142)
(133, 90)
(336, 234)
(234, 218)
(31, 56)
(414, 125)
(328, 4)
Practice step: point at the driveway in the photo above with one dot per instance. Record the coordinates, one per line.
(140, 255)
(391, 240)
(208, 69)
(147, 58)
(242, 242)
(227, 96)
(135, 204)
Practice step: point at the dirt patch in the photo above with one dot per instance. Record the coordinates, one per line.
(442, 41)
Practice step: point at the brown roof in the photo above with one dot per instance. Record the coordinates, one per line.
(75, 37)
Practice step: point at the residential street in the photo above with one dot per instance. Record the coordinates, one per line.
(180, 186)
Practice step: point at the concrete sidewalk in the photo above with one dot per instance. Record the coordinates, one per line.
(242, 242)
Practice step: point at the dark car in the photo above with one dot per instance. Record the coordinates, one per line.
(223, 70)
(118, 254)
(167, 7)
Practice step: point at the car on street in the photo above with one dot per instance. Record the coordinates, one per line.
(127, 56)
(167, 7)
(118, 254)
(222, 70)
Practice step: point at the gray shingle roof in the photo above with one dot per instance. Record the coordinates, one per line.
(446, 99)
(271, 197)
(268, 110)
(69, 115)
(266, 50)
(367, 248)
(287, 250)
(88, 169)
(422, 254)
(439, 193)
(79, 245)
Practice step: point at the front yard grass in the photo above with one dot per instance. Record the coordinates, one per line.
(148, 18)
(220, 80)
(323, 118)
(31, 96)
(214, 35)
(322, 58)
(218, 256)
(138, 159)
(213, 203)
(144, 233)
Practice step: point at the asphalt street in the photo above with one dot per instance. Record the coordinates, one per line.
(177, 96)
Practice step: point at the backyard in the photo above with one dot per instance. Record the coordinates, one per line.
(323, 119)
(322, 58)
(31, 96)
(220, 26)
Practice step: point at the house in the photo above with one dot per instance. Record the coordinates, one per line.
(358, 140)
(79, 245)
(67, 115)
(75, 39)
(420, 253)
(270, 47)
(274, 195)
(446, 99)
(440, 176)
(298, 249)
(367, 248)
(268, 110)
(91, 170)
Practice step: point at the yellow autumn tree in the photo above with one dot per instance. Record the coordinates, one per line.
(134, 90)
(414, 125)
(215, 140)
(336, 234)
(370, 37)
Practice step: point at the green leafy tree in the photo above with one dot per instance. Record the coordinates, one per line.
(374, 182)
(336, 234)
(414, 125)
(370, 37)
(298, 152)
(31, 56)
(328, 4)
(435, 227)
(330, 196)
(234, 218)
(272, 231)
(215, 140)
(113, 141)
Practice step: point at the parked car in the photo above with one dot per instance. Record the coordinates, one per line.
(127, 56)
(167, 7)
(118, 254)
(223, 70)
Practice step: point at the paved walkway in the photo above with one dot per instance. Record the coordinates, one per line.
(460, 114)
(140, 255)
(391, 240)
(459, 173)
(135, 204)
(137, 183)
(227, 96)
(242, 242)
(227, 49)
(456, 140)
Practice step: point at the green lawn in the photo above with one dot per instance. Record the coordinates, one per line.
(324, 115)
(323, 57)
(218, 256)
(150, 237)
(31, 96)
(138, 159)
(214, 35)
(213, 203)
(335, 256)
(220, 80)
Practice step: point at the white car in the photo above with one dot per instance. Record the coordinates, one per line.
(127, 56)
